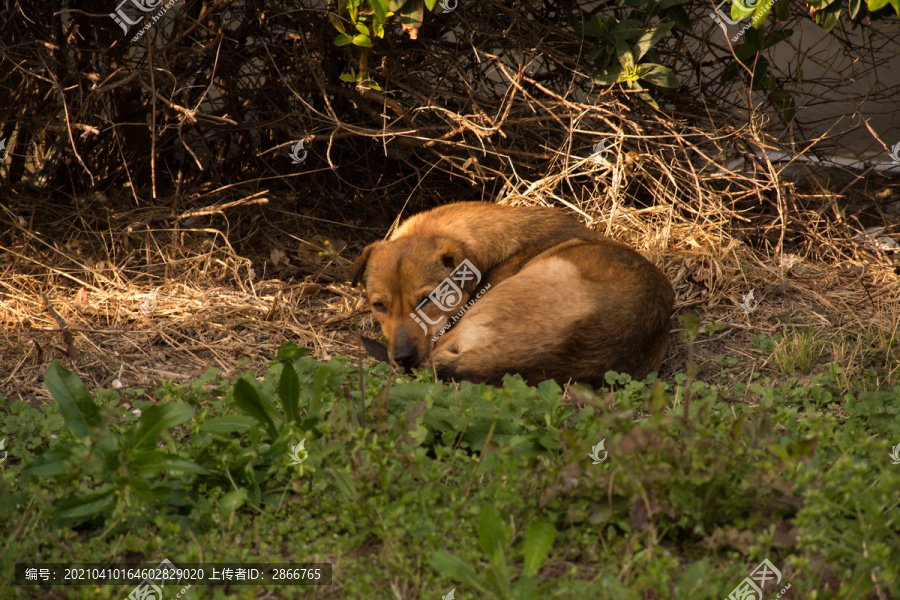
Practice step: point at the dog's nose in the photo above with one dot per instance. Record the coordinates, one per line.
(406, 356)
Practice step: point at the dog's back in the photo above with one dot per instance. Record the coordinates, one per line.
(493, 234)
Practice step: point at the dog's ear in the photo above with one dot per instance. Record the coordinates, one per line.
(359, 266)
(451, 254)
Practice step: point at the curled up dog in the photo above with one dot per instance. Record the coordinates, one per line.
(480, 290)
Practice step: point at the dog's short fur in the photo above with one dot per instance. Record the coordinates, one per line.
(564, 302)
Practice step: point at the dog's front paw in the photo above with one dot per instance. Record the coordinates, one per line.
(375, 348)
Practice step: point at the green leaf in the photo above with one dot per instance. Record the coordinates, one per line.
(143, 489)
(380, 8)
(342, 39)
(254, 494)
(229, 424)
(344, 483)
(291, 351)
(90, 504)
(742, 8)
(361, 27)
(51, 464)
(525, 589)
(754, 40)
(760, 70)
(650, 38)
(762, 11)
(855, 6)
(232, 501)
(430, 4)
(624, 54)
(658, 75)
(681, 18)
(362, 40)
(412, 14)
(491, 530)
(396, 5)
(155, 419)
(338, 24)
(75, 402)
(748, 49)
(648, 99)
(498, 576)
(665, 5)
(828, 18)
(289, 391)
(153, 463)
(330, 374)
(453, 567)
(247, 399)
(538, 541)
(626, 30)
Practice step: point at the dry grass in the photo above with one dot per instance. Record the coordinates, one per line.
(162, 275)
(139, 296)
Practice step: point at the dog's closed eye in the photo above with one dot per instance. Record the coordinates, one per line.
(379, 307)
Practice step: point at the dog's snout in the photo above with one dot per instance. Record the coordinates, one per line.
(406, 356)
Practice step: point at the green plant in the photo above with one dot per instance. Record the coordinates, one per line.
(713, 328)
(796, 473)
(367, 19)
(798, 351)
(494, 539)
(629, 42)
(123, 466)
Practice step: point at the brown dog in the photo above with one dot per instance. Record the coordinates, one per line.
(480, 290)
